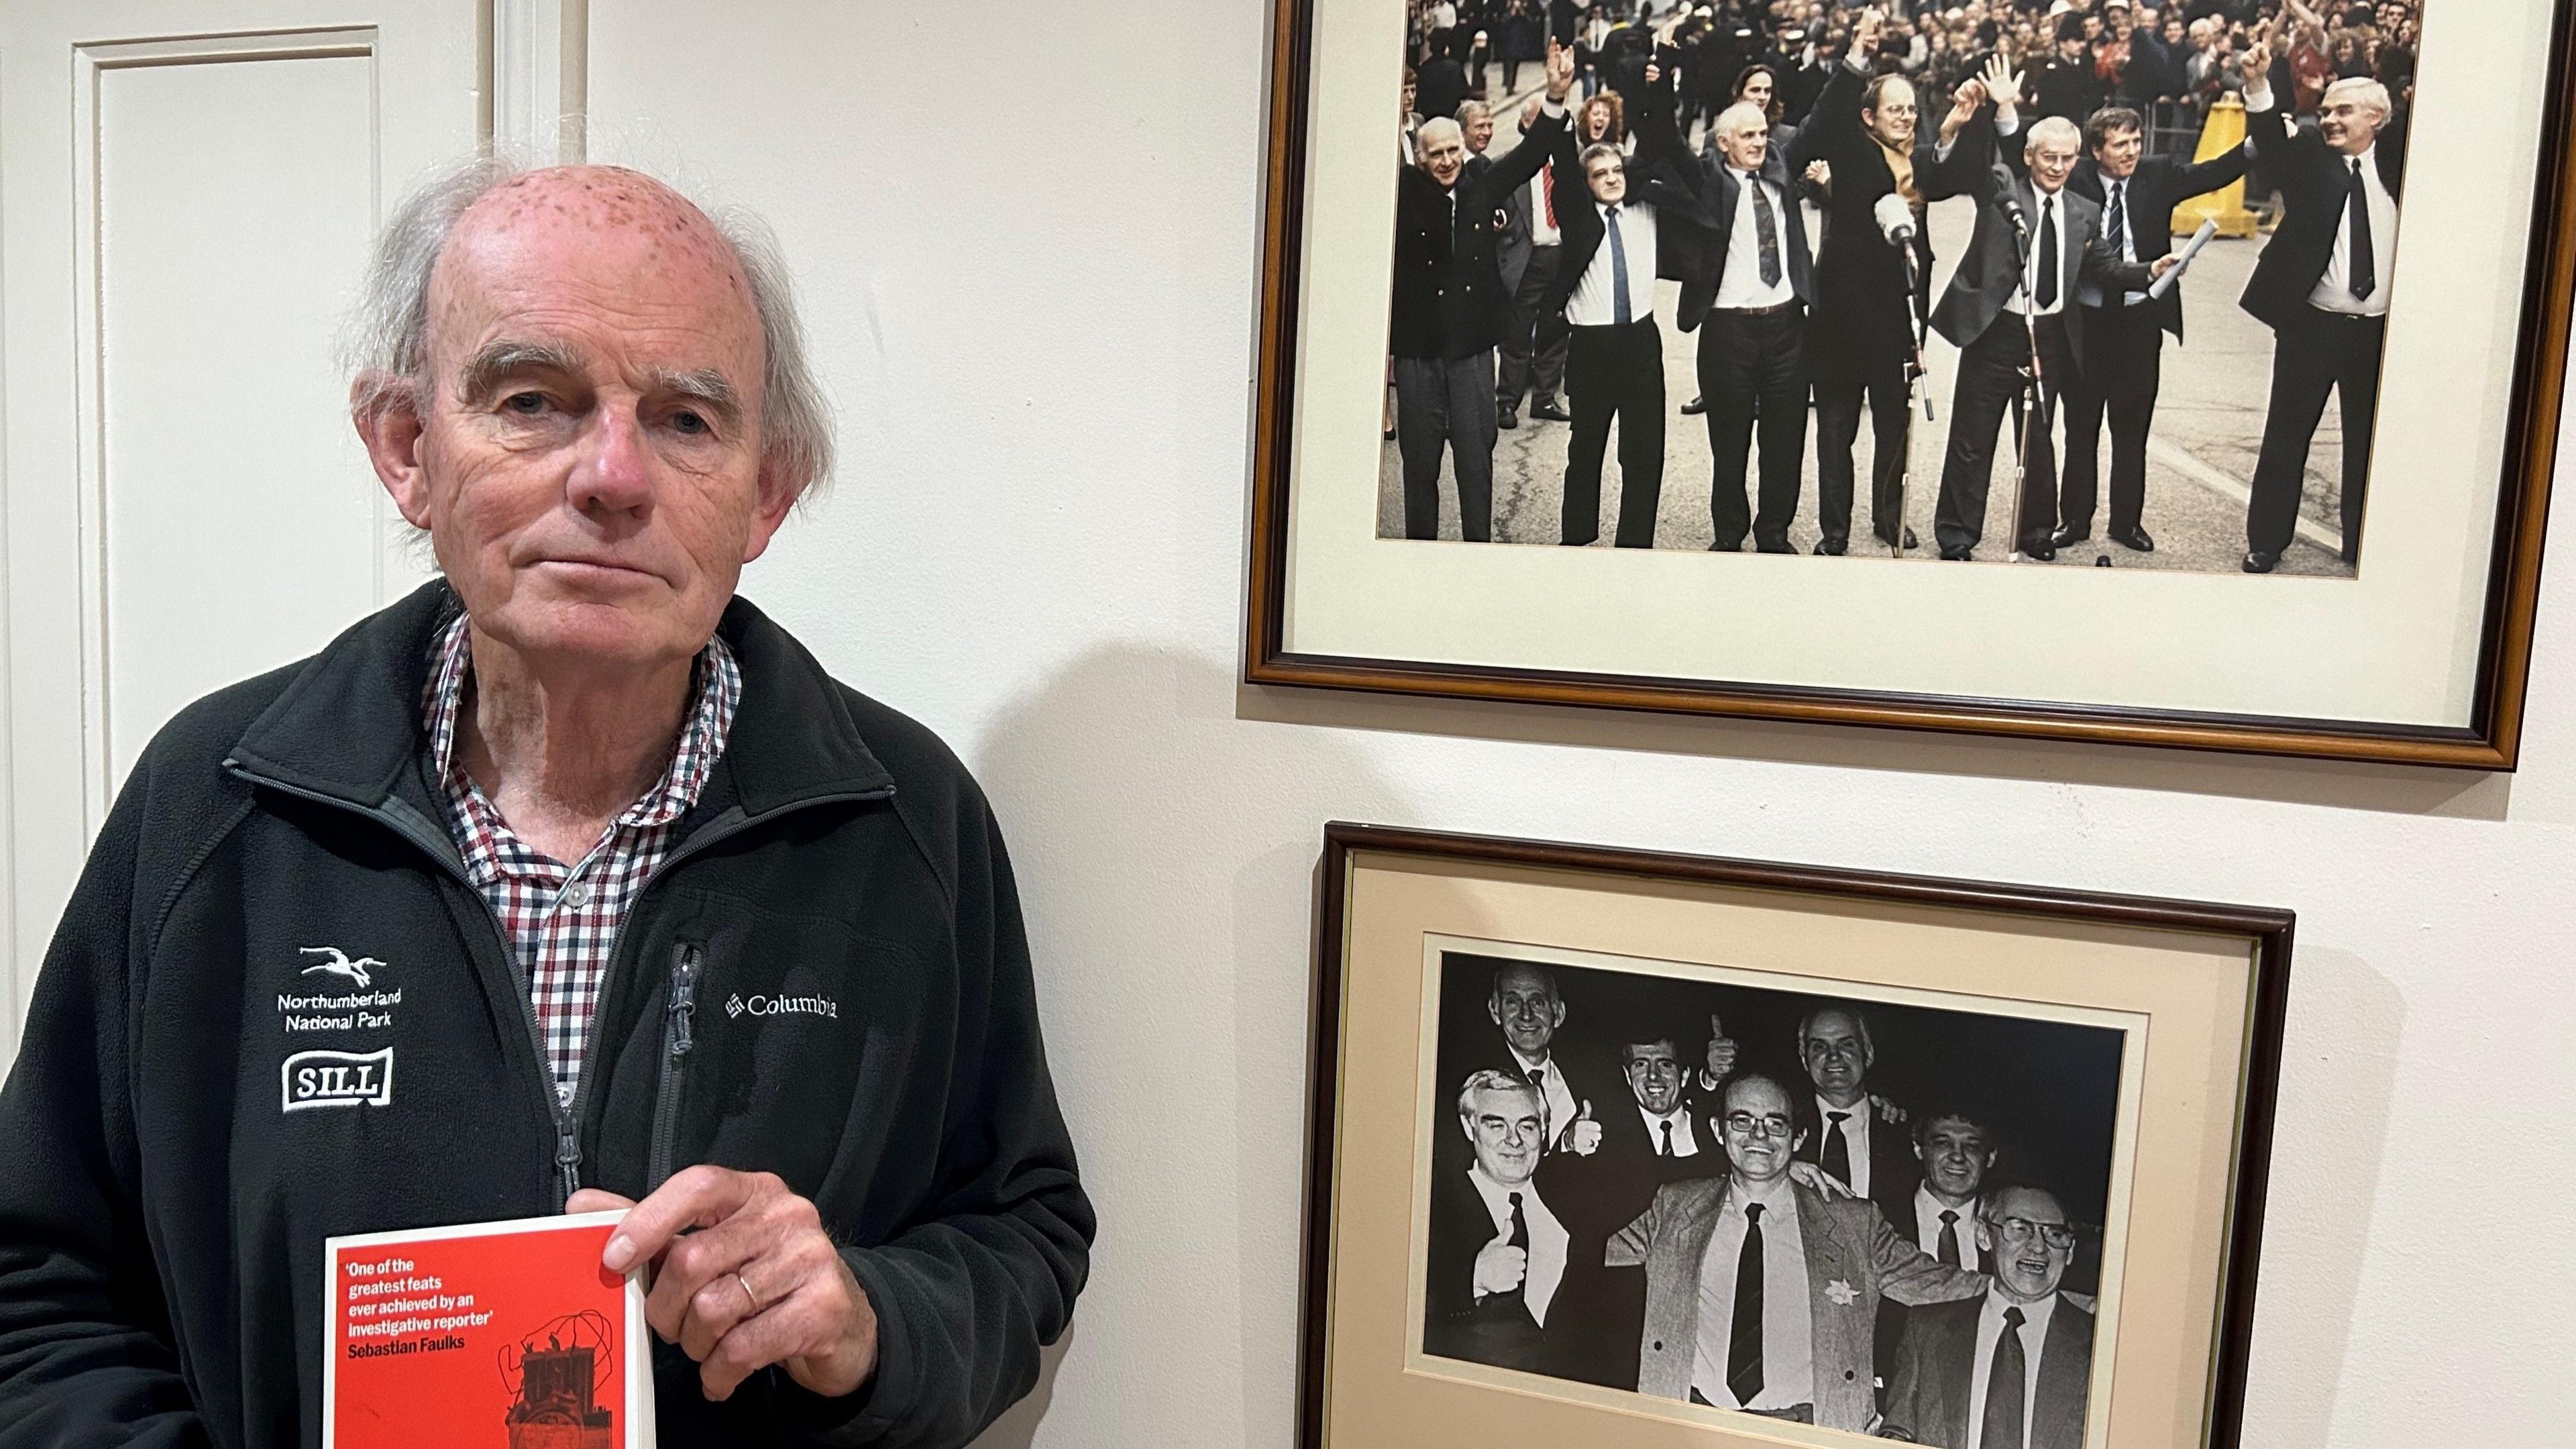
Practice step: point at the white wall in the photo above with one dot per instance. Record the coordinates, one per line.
(1027, 237)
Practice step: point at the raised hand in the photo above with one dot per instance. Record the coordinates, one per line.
(2256, 61)
(1583, 1135)
(1500, 1267)
(1867, 30)
(1654, 72)
(1560, 70)
(2002, 82)
(1721, 1047)
(1820, 175)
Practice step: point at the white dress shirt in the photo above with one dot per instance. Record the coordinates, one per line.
(1547, 1238)
(1742, 286)
(1551, 1085)
(2334, 289)
(1855, 1130)
(1593, 304)
(1788, 1318)
(1927, 1226)
(1543, 232)
(2048, 211)
(1685, 1142)
(1990, 1329)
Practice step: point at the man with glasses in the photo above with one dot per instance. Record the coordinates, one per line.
(1856, 1138)
(2007, 1370)
(1761, 1294)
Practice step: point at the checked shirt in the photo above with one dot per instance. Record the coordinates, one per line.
(562, 919)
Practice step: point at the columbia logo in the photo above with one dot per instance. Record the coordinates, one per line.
(733, 1005)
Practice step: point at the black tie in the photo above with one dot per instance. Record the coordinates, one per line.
(1667, 1150)
(1767, 227)
(1744, 1339)
(2003, 1389)
(1949, 1238)
(2364, 272)
(2044, 293)
(2117, 223)
(1520, 1240)
(1837, 1154)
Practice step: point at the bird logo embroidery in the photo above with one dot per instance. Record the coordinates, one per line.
(340, 964)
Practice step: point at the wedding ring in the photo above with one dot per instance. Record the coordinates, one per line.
(746, 1290)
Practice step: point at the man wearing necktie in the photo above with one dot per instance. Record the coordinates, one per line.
(2120, 371)
(2011, 302)
(1762, 1295)
(2009, 1369)
(2322, 285)
(1956, 1153)
(1534, 340)
(1857, 1139)
(1498, 1249)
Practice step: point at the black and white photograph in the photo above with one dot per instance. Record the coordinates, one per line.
(2109, 282)
(1845, 1210)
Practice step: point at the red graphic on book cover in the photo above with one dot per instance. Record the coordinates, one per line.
(421, 1325)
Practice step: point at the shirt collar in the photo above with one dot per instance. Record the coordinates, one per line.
(1498, 1195)
(1529, 1067)
(2035, 1315)
(1775, 1195)
(1857, 1114)
(1930, 1208)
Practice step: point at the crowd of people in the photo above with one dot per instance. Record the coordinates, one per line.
(1629, 1202)
(1777, 161)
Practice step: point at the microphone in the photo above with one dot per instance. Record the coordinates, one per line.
(2013, 213)
(1895, 219)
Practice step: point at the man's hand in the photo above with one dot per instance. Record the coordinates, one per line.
(2002, 83)
(2256, 63)
(1500, 1267)
(1721, 1047)
(1867, 31)
(1824, 1184)
(1654, 72)
(758, 1283)
(2162, 265)
(1583, 1135)
(1560, 71)
(1964, 102)
(1820, 175)
(1888, 1111)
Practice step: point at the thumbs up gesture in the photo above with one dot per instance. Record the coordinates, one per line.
(1500, 1267)
(1583, 1134)
(1721, 1050)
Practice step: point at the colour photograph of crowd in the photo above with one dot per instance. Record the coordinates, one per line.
(1880, 1218)
(2091, 270)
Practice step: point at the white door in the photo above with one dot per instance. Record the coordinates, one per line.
(186, 199)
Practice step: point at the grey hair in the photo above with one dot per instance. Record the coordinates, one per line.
(1471, 111)
(386, 349)
(2056, 129)
(1490, 1080)
(1740, 115)
(2364, 89)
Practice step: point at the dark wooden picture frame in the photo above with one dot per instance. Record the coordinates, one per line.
(2490, 740)
(2266, 933)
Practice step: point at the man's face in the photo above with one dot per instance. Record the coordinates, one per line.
(1654, 1075)
(1444, 155)
(1757, 89)
(1836, 1055)
(2017, 1231)
(1525, 1005)
(2051, 162)
(1745, 144)
(2070, 48)
(2173, 31)
(1507, 1128)
(2348, 124)
(1893, 120)
(586, 447)
(1608, 178)
(1954, 1155)
(1761, 1136)
(1480, 134)
(2117, 156)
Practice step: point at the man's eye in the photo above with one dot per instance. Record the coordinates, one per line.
(689, 423)
(527, 404)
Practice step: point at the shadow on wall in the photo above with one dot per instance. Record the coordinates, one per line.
(1165, 852)
(2338, 1083)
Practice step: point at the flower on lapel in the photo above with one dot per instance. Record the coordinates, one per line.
(1842, 1293)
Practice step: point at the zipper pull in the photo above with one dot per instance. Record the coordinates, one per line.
(568, 1162)
(684, 996)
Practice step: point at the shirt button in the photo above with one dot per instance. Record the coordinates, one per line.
(577, 895)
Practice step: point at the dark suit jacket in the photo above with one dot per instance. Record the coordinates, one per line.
(1700, 252)
(2311, 177)
(2160, 184)
(1605, 1306)
(1990, 270)
(1927, 1401)
(1857, 328)
(1449, 299)
(1893, 1171)
(1497, 1331)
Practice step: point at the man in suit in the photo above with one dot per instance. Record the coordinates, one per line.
(1746, 284)
(1857, 1140)
(1612, 210)
(1955, 1151)
(1497, 1251)
(1528, 249)
(1528, 1011)
(2119, 370)
(2008, 1369)
(1448, 310)
(1760, 1294)
(2012, 300)
(1860, 337)
(2322, 286)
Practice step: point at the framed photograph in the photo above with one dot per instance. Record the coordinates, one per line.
(1650, 1151)
(2053, 368)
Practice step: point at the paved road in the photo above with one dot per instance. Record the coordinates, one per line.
(2209, 421)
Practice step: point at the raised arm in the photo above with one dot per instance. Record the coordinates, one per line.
(1523, 161)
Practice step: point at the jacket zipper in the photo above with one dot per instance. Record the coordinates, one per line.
(566, 1116)
(686, 958)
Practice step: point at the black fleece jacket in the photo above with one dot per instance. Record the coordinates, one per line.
(168, 1169)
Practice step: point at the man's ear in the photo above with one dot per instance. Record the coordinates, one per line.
(774, 494)
(385, 409)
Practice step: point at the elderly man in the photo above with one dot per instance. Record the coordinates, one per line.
(1855, 1136)
(554, 803)
(2010, 1369)
(1528, 1009)
(1761, 1294)
(2322, 285)
(1498, 1252)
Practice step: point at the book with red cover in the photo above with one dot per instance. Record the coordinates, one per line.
(508, 1335)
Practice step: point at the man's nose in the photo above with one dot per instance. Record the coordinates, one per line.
(613, 472)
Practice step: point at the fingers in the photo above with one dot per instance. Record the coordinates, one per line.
(809, 1331)
(694, 1197)
(1586, 1114)
(596, 1200)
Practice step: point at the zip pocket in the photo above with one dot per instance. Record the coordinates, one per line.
(686, 960)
